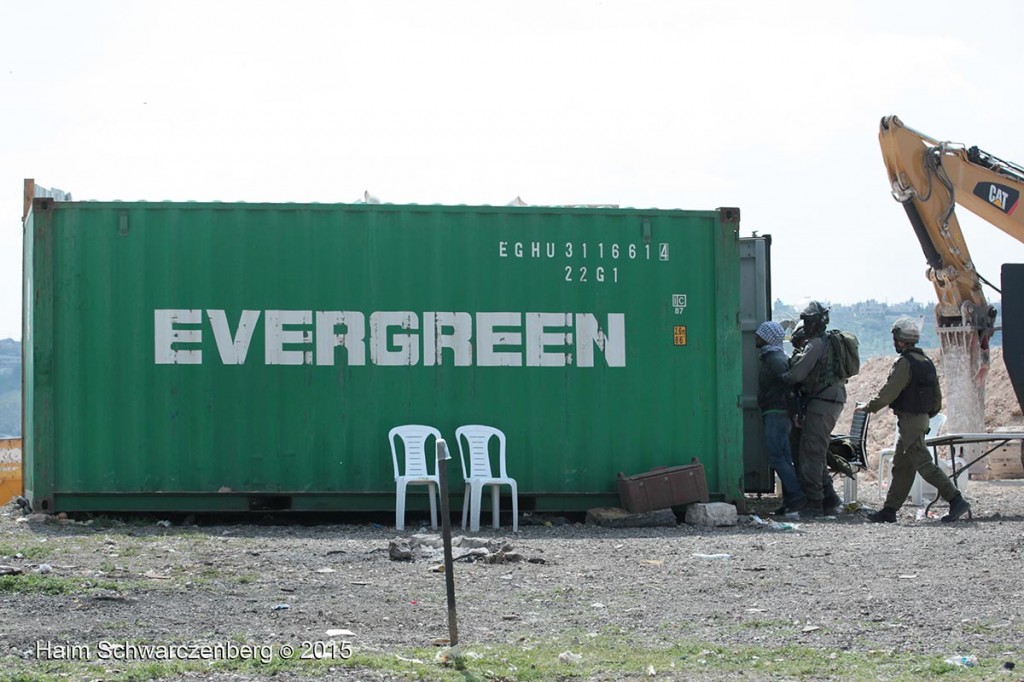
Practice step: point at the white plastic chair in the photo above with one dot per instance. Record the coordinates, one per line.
(935, 425)
(414, 442)
(922, 489)
(477, 439)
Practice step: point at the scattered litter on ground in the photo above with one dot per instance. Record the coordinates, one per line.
(712, 556)
(445, 656)
(569, 658)
(963, 661)
(756, 520)
(340, 633)
(280, 607)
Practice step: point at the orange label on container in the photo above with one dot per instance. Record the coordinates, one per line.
(679, 335)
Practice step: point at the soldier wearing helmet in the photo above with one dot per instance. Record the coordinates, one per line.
(822, 402)
(912, 391)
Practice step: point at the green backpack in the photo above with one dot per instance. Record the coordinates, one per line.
(843, 356)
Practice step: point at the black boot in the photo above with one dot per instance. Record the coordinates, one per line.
(958, 506)
(831, 503)
(883, 515)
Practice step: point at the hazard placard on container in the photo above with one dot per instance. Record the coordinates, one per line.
(679, 335)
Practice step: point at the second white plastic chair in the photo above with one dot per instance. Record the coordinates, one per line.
(414, 441)
(474, 440)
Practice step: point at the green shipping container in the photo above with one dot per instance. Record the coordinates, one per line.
(207, 356)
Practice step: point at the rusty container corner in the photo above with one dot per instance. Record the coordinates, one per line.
(190, 357)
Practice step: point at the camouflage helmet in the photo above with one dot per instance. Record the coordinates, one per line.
(907, 329)
(815, 311)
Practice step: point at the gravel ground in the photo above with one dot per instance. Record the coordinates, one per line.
(838, 584)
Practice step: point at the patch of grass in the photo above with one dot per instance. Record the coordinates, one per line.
(39, 551)
(981, 627)
(35, 583)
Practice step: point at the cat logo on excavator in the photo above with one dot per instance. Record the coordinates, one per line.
(1002, 197)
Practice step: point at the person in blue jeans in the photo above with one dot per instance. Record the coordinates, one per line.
(774, 398)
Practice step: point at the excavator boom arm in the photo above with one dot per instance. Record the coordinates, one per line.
(930, 178)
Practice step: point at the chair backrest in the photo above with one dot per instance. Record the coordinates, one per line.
(414, 442)
(859, 435)
(477, 438)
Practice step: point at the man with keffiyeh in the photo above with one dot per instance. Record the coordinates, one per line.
(774, 397)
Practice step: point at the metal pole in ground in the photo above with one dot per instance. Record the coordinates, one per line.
(446, 535)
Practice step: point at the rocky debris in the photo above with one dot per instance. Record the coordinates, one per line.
(431, 548)
(711, 514)
(615, 517)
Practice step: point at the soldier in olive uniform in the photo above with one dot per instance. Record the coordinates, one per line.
(823, 397)
(912, 391)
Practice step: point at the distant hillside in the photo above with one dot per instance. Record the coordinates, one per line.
(872, 321)
(10, 388)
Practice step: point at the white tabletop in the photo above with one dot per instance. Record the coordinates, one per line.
(958, 438)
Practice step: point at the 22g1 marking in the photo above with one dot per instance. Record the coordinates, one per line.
(585, 274)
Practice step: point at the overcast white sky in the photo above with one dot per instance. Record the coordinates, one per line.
(769, 106)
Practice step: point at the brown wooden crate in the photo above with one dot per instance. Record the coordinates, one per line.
(663, 487)
(1004, 463)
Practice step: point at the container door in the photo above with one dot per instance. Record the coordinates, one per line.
(755, 307)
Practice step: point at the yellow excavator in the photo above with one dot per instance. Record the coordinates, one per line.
(929, 178)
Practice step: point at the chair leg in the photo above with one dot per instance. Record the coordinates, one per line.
(916, 492)
(515, 508)
(432, 491)
(495, 500)
(476, 492)
(850, 490)
(883, 458)
(465, 504)
(400, 506)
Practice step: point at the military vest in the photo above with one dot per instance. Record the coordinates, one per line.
(920, 394)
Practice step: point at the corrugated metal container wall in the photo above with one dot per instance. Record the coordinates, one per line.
(190, 356)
